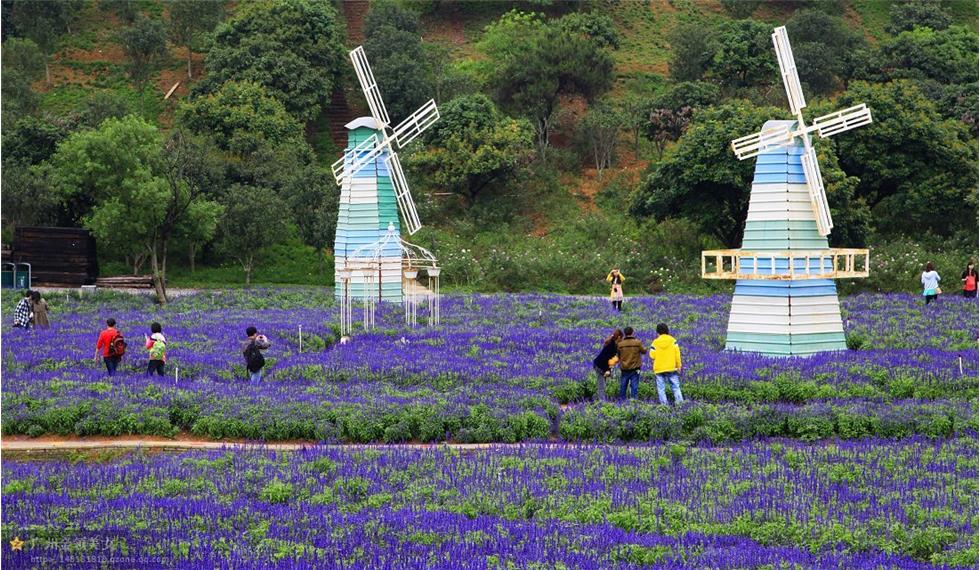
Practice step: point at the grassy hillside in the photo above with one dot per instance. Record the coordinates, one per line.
(90, 60)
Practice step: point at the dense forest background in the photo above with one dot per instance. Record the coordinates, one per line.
(575, 136)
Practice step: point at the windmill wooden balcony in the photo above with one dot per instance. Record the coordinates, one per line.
(833, 263)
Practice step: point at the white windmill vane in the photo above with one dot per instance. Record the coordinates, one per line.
(402, 134)
(825, 126)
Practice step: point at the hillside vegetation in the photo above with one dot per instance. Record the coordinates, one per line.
(575, 136)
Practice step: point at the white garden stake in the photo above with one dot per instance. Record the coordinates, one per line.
(301, 338)
(961, 365)
(176, 369)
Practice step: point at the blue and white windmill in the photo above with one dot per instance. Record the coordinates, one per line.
(372, 187)
(785, 300)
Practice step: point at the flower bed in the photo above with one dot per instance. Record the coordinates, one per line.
(868, 503)
(501, 368)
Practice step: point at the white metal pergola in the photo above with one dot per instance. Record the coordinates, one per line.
(366, 262)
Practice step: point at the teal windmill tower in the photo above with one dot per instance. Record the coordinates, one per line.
(785, 300)
(373, 191)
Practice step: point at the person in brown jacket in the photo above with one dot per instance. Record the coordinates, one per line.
(630, 351)
(40, 310)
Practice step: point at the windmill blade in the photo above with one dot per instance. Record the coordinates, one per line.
(369, 86)
(850, 118)
(818, 196)
(357, 158)
(416, 123)
(406, 205)
(755, 144)
(787, 69)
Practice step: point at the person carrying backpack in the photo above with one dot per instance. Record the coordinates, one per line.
(111, 346)
(156, 343)
(252, 349)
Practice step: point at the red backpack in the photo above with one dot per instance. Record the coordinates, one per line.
(117, 346)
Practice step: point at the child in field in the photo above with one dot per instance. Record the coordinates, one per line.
(666, 355)
(969, 279)
(40, 307)
(156, 343)
(24, 311)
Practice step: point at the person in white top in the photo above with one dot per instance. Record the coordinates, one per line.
(930, 283)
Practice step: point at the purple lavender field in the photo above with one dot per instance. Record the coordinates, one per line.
(863, 459)
(780, 504)
(500, 369)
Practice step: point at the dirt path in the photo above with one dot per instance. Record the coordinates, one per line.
(47, 444)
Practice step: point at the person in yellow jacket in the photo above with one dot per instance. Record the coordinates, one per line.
(666, 355)
(616, 279)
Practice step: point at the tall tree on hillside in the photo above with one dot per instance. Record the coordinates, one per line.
(189, 18)
(254, 219)
(401, 69)
(42, 21)
(23, 63)
(744, 57)
(473, 147)
(144, 43)
(534, 63)
(293, 48)
(917, 171)
(907, 16)
(140, 187)
(602, 126)
(823, 47)
(692, 50)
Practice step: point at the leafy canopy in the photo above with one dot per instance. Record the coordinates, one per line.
(293, 48)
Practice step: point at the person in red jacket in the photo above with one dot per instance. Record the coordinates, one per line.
(103, 346)
(970, 280)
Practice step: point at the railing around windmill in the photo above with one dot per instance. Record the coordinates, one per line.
(835, 263)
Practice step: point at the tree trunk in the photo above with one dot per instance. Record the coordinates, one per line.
(189, 76)
(47, 71)
(248, 276)
(192, 250)
(158, 284)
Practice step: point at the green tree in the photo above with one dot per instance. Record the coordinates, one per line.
(947, 56)
(240, 116)
(473, 147)
(693, 50)
(399, 63)
(669, 114)
(23, 63)
(744, 57)
(189, 19)
(136, 184)
(823, 47)
(145, 44)
(28, 196)
(740, 9)
(254, 219)
(601, 128)
(41, 21)
(533, 64)
(701, 180)
(388, 14)
(907, 16)
(917, 171)
(33, 140)
(293, 48)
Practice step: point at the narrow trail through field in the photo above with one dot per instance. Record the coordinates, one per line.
(19, 444)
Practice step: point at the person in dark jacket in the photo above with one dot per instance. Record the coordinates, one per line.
(630, 351)
(601, 363)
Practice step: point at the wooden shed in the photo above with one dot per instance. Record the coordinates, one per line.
(58, 256)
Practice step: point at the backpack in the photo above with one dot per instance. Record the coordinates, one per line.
(158, 350)
(254, 361)
(117, 346)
